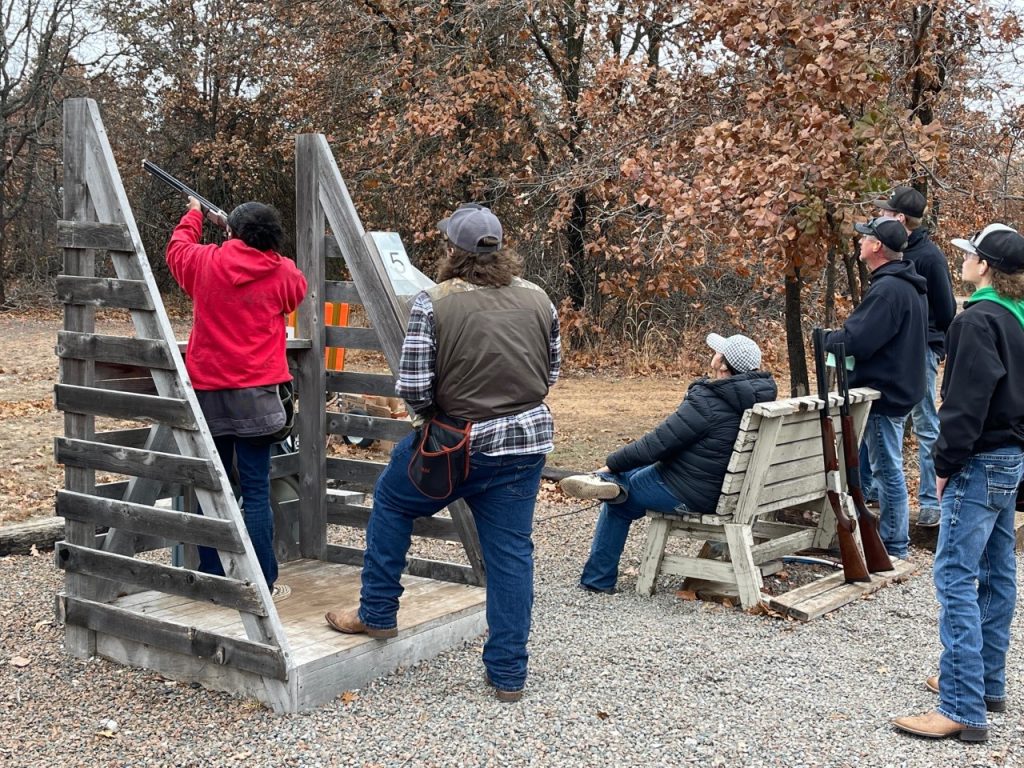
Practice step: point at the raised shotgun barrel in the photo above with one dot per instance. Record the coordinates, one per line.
(854, 567)
(874, 550)
(214, 213)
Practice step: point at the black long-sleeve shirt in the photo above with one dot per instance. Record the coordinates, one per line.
(982, 392)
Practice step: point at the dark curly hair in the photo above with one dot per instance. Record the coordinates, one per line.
(258, 225)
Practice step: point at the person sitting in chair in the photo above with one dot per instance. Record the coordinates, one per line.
(677, 467)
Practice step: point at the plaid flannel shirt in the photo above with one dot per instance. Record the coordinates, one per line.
(528, 432)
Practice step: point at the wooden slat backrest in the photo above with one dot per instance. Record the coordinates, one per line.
(782, 440)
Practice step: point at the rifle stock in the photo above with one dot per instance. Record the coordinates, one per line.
(874, 550)
(854, 567)
(215, 214)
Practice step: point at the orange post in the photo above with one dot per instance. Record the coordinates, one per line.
(335, 314)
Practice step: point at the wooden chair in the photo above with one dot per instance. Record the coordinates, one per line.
(776, 464)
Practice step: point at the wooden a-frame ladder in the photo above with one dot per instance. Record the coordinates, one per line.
(176, 449)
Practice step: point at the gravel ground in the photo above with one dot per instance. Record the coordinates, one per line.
(615, 681)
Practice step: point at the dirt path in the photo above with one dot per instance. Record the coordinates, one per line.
(594, 412)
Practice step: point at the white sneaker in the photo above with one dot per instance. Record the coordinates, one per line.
(589, 487)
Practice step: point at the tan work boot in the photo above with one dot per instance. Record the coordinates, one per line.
(506, 697)
(935, 725)
(932, 684)
(349, 624)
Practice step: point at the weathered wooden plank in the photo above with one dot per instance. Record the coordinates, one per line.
(140, 518)
(341, 291)
(310, 422)
(349, 337)
(103, 292)
(129, 438)
(89, 454)
(367, 426)
(354, 473)
(124, 405)
(284, 465)
(80, 642)
(164, 578)
(355, 516)
(230, 651)
(119, 350)
(832, 592)
(380, 384)
(429, 569)
(94, 236)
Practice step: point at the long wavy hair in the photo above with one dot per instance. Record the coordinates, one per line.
(1008, 286)
(493, 270)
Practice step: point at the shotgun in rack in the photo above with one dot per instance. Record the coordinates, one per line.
(854, 567)
(215, 214)
(874, 550)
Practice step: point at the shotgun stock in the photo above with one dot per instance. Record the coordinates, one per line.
(212, 212)
(874, 550)
(854, 567)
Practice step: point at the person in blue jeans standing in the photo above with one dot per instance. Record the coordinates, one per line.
(907, 206)
(887, 337)
(679, 465)
(978, 462)
(483, 345)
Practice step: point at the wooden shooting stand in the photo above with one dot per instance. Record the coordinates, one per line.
(227, 632)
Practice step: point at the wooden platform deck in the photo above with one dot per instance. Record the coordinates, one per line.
(434, 617)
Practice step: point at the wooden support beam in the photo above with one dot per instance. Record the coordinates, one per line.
(430, 569)
(103, 292)
(124, 405)
(118, 350)
(94, 235)
(164, 578)
(379, 384)
(344, 292)
(367, 426)
(229, 651)
(88, 454)
(141, 518)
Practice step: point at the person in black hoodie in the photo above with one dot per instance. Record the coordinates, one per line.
(887, 336)
(978, 461)
(907, 206)
(678, 466)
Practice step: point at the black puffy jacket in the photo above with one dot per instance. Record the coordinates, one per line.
(692, 446)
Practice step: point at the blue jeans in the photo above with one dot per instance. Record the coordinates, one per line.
(925, 419)
(926, 427)
(883, 436)
(976, 582)
(501, 491)
(252, 460)
(645, 490)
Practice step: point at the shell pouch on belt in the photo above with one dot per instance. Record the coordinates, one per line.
(440, 458)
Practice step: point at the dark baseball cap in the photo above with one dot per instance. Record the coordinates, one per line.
(905, 200)
(1001, 246)
(472, 228)
(889, 232)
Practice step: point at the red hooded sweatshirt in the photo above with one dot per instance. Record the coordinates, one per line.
(240, 296)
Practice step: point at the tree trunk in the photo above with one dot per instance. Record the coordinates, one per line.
(798, 381)
(830, 287)
(575, 231)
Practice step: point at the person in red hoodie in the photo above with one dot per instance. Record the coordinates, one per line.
(240, 292)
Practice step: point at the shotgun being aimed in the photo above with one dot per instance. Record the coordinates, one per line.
(854, 567)
(874, 550)
(216, 215)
